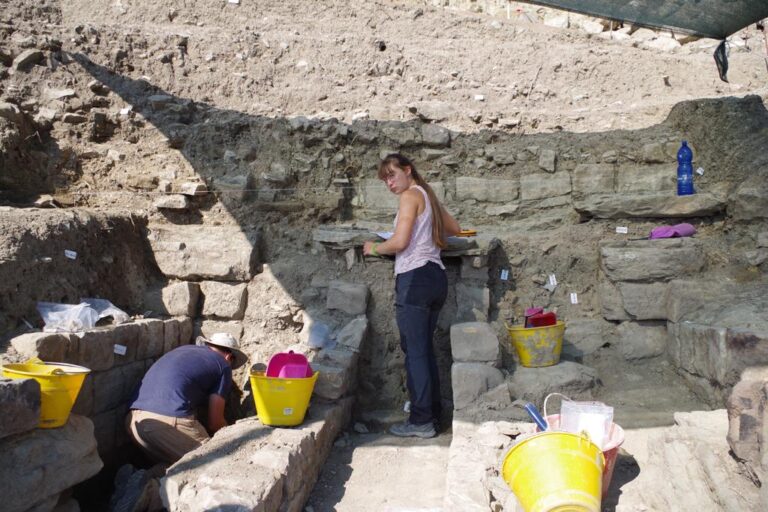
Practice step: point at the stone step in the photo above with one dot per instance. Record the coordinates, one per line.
(257, 467)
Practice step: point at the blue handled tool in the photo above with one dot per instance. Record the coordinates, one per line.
(535, 415)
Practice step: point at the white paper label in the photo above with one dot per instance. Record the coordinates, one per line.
(120, 350)
(700, 171)
(287, 411)
(622, 229)
(552, 281)
(574, 298)
(70, 254)
(504, 275)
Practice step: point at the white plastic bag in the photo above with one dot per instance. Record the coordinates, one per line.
(105, 308)
(67, 317)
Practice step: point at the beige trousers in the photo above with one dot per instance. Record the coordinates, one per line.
(165, 438)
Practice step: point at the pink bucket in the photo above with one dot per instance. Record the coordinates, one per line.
(610, 450)
(289, 365)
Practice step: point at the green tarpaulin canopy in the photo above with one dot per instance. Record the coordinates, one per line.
(716, 19)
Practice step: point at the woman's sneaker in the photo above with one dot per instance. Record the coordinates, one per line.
(408, 429)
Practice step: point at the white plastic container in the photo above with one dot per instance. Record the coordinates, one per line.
(594, 418)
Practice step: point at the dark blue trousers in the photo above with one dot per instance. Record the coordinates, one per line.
(420, 294)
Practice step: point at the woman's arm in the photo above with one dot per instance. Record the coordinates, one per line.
(406, 217)
(450, 225)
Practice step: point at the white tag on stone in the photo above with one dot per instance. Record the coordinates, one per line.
(70, 254)
(622, 229)
(504, 274)
(120, 349)
(552, 281)
(574, 298)
(700, 171)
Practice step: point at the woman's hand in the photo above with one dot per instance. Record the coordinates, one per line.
(369, 248)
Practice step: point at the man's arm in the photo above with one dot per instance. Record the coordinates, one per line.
(216, 413)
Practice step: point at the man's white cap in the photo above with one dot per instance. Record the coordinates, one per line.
(227, 341)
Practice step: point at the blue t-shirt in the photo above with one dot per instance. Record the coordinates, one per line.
(182, 380)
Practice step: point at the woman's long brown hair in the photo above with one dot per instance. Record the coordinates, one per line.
(398, 161)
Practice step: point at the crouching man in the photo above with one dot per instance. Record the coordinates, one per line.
(162, 417)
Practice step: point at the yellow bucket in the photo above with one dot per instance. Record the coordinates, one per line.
(538, 346)
(281, 402)
(59, 386)
(555, 472)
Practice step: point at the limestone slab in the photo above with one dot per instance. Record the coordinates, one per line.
(543, 185)
(224, 300)
(651, 260)
(486, 190)
(649, 205)
(474, 342)
(20, 405)
(192, 252)
(470, 380)
(44, 462)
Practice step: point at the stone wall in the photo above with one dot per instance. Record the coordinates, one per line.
(118, 357)
(40, 465)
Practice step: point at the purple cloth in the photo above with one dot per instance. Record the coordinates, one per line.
(678, 230)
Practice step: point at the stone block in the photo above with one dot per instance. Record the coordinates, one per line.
(700, 350)
(128, 335)
(401, 134)
(470, 380)
(646, 178)
(114, 387)
(85, 399)
(52, 347)
(594, 179)
(641, 341)
(649, 205)
(435, 136)
(96, 349)
(474, 342)
(171, 202)
(748, 201)
(644, 301)
(574, 380)
(585, 336)
(469, 270)
(20, 403)
(748, 419)
(105, 427)
(502, 154)
(170, 334)
(224, 300)
(333, 382)
(350, 298)
(651, 260)
(353, 334)
(186, 328)
(472, 303)
(152, 338)
(193, 252)
(233, 327)
(374, 193)
(611, 304)
(548, 160)
(45, 462)
(175, 299)
(543, 185)
(485, 190)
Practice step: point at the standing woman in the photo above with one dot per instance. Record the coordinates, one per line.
(421, 226)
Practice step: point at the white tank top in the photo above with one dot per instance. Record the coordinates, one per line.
(421, 248)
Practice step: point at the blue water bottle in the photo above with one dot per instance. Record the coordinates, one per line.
(684, 170)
